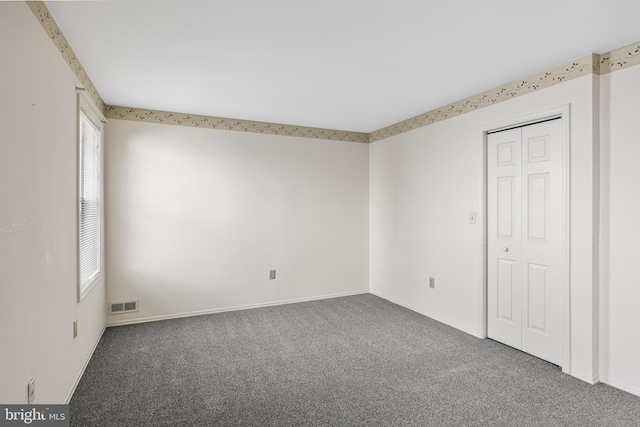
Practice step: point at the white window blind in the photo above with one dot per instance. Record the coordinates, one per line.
(89, 245)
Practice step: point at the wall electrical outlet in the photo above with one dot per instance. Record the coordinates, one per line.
(272, 274)
(75, 328)
(432, 282)
(31, 391)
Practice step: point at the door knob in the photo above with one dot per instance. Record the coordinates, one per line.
(506, 249)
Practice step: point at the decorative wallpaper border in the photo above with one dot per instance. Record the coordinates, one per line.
(210, 122)
(618, 59)
(561, 73)
(605, 63)
(41, 12)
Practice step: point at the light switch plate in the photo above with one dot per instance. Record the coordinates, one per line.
(31, 391)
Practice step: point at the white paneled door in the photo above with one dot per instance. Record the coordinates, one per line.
(524, 237)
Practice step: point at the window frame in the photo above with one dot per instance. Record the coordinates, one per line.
(86, 107)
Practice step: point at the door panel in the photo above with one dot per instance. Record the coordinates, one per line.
(506, 207)
(538, 190)
(542, 247)
(504, 303)
(538, 289)
(539, 149)
(506, 154)
(505, 290)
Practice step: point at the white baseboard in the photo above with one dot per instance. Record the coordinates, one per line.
(234, 308)
(424, 313)
(591, 379)
(84, 367)
(624, 387)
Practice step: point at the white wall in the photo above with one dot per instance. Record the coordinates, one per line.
(196, 218)
(38, 218)
(424, 183)
(620, 230)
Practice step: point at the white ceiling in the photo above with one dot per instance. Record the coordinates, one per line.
(355, 65)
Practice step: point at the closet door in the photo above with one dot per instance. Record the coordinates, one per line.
(524, 237)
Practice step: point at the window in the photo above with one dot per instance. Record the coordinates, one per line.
(90, 198)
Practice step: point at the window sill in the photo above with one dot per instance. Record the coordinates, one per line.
(84, 291)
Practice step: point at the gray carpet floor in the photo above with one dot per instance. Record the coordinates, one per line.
(351, 361)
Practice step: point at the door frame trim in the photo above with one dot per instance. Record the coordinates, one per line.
(564, 113)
